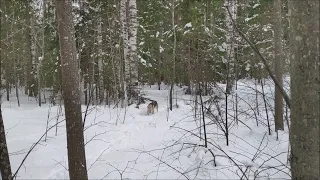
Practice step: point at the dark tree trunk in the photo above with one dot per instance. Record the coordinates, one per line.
(279, 125)
(5, 167)
(305, 88)
(71, 91)
(171, 96)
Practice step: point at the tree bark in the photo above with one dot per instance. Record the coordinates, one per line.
(5, 167)
(231, 5)
(71, 91)
(305, 88)
(130, 28)
(173, 55)
(40, 60)
(100, 62)
(125, 39)
(132, 34)
(279, 125)
(32, 51)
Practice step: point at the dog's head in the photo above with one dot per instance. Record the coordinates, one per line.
(150, 105)
(154, 103)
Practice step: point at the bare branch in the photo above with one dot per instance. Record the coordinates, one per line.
(256, 50)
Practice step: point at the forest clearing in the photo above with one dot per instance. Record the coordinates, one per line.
(165, 145)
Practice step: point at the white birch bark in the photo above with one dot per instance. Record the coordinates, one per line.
(33, 51)
(230, 39)
(124, 34)
(129, 25)
(132, 34)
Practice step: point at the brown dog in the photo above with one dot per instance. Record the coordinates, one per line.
(153, 105)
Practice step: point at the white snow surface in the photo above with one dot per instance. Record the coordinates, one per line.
(158, 146)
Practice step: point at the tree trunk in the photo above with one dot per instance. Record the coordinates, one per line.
(71, 91)
(16, 84)
(125, 38)
(100, 62)
(28, 67)
(173, 57)
(31, 33)
(131, 65)
(5, 167)
(42, 52)
(33, 42)
(14, 59)
(278, 65)
(7, 85)
(230, 41)
(305, 88)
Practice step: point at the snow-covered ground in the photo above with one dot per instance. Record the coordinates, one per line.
(128, 144)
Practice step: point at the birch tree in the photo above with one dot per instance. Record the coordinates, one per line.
(132, 34)
(71, 91)
(231, 5)
(33, 50)
(124, 34)
(305, 88)
(129, 25)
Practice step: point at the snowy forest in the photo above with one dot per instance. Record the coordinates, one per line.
(159, 89)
